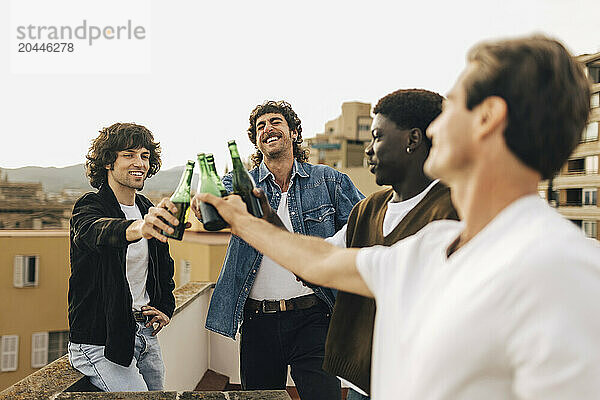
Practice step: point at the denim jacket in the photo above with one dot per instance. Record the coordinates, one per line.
(319, 200)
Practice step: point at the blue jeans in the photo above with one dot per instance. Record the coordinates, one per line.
(271, 342)
(146, 371)
(354, 395)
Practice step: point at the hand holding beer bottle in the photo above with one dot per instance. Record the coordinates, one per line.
(181, 199)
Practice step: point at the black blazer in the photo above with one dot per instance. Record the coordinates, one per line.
(99, 297)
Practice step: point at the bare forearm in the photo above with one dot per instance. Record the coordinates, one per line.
(309, 257)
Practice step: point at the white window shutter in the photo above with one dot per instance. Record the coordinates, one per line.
(39, 349)
(185, 273)
(18, 271)
(9, 353)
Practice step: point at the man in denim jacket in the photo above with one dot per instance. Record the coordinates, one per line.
(285, 320)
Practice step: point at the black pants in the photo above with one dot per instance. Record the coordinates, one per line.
(271, 342)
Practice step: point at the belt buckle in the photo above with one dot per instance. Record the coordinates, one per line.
(139, 316)
(265, 311)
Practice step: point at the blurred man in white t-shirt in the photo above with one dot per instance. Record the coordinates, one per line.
(505, 304)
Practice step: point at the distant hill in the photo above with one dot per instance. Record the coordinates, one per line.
(54, 180)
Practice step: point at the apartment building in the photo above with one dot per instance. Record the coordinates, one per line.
(33, 295)
(343, 143)
(33, 292)
(574, 190)
(26, 206)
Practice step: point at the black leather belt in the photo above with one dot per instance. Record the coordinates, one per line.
(138, 316)
(273, 306)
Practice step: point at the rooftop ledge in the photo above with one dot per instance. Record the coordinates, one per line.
(58, 380)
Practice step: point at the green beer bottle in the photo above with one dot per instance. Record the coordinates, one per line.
(211, 219)
(181, 198)
(243, 182)
(210, 160)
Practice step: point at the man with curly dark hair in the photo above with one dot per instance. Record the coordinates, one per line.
(121, 282)
(293, 122)
(396, 155)
(284, 319)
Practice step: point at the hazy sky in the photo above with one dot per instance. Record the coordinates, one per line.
(212, 62)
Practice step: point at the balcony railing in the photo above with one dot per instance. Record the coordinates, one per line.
(570, 204)
(576, 204)
(188, 349)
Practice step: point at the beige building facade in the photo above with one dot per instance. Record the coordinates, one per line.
(342, 145)
(33, 292)
(26, 206)
(574, 190)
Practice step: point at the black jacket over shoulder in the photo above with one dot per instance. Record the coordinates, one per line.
(99, 297)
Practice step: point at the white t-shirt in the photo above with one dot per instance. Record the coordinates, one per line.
(137, 263)
(395, 213)
(512, 314)
(273, 282)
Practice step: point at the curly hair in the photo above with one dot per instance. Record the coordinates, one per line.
(411, 108)
(546, 91)
(115, 138)
(279, 107)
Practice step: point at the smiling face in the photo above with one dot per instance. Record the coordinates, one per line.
(451, 134)
(129, 170)
(386, 153)
(273, 136)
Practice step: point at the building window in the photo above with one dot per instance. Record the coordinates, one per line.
(366, 128)
(590, 197)
(573, 197)
(594, 73)
(590, 133)
(576, 222)
(591, 165)
(590, 228)
(39, 349)
(595, 100)
(47, 347)
(58, 343)
(26, 271)
(576, 166)
(9, 353)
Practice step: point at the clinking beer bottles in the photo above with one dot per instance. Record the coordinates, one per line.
(210, 161)
(181, 198)
(211, 219)
(242, 182)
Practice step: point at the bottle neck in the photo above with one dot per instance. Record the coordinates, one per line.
(212, 169)
(204, 172)
(235, 157)
(237, 162)
(183, 188)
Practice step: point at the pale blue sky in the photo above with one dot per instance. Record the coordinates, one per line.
(212, 62)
